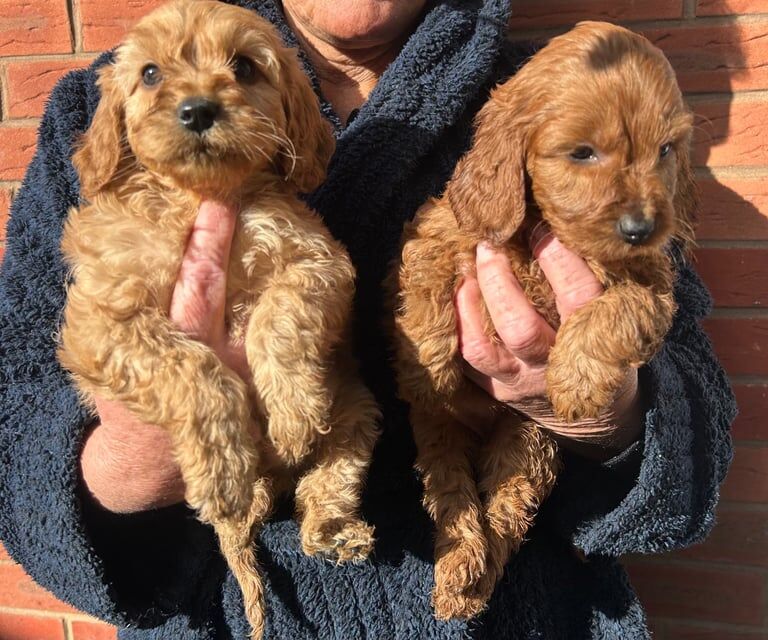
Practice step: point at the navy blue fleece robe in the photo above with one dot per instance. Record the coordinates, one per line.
(158, 575)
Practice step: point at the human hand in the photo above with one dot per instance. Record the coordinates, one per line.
(514, 370)
(128, 465)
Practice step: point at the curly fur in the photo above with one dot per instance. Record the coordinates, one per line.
(604, 87)
(289, 283)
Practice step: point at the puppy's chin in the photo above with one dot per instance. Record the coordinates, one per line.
(218, 162)
(206, 174)
(207, 171)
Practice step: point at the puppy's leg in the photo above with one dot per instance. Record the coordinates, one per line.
(179, 384)
(445, 450)
(295, 326)
(328, 496)
(172, 381)
(518, 469)
(622, 328)
(426, 337)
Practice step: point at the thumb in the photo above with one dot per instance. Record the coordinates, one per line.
(199, 296)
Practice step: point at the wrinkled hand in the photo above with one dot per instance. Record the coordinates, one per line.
(128, 465)
(514, 371)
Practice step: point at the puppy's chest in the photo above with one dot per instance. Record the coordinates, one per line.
(537, 288)
(152, 247)
(534, 283)
(264, 244)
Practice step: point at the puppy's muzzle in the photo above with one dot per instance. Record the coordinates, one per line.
(635, 229)
(198, 114)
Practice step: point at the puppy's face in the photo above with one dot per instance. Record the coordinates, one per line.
(595, 129)
(605, 163)
(206, 94)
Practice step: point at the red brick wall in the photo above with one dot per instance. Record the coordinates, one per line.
(716, 591)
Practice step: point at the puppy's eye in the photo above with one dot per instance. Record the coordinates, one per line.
(665, 150)
(150, 75)
(583, 153)
(244, 68)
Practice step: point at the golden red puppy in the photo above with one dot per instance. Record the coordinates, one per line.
(592, 137)
(203, 101)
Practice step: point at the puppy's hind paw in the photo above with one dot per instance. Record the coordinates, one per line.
(448, 605)
(339, 540)
(223, 490)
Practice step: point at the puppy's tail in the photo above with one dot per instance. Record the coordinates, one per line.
(236, 539)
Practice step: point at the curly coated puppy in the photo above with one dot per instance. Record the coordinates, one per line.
(202, 101)
(592, 137)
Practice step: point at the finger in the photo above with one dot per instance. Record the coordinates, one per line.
(197, 304)
(115, 414)
(485, 356)
(573, 282)
(524, 332)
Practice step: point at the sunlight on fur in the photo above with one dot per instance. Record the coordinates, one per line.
(204, 101)
(591, 136)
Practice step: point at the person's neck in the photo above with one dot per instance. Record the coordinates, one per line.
(347, 75)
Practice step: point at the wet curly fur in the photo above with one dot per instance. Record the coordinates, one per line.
(598, 86)
(305, 420)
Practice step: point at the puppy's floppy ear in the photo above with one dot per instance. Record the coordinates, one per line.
(686, 200)
(487, 190)
(313, 144)
(101, 146)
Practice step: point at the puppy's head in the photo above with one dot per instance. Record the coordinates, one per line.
(206, 94)
(596, 123)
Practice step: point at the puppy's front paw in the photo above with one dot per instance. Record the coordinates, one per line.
(449, 604)
(581, 388)
(342, 540)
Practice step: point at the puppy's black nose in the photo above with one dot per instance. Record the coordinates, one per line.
(634, 228)
(198, 114)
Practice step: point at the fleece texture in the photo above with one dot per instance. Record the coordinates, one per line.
(158, 575)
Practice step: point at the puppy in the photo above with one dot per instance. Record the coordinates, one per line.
(592, 137)
(204, 101)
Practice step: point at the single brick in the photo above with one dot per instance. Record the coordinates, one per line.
(18, 590)
(105, 23)
(751, 423)
(702, 593)
(17, 626)
(689, 631)
(528, 14)
(657, 628)
(93, 631)
(34, 26)
(736, 277)
(739, 537)
(17, 146)
(731, 133)
(747, 479)
(733, 209)
(720, 58)
(730, 7)
(740, 343)
(30, 82)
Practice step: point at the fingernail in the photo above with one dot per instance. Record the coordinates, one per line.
(538, 235)
(484, 248)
